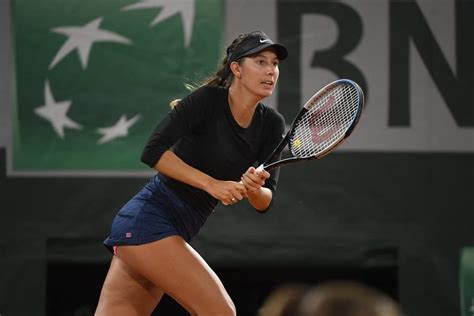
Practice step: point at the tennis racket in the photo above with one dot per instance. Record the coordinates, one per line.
(327, 118)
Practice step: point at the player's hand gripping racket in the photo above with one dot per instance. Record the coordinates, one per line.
(326, 119)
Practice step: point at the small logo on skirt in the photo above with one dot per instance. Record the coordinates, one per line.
(128, 235)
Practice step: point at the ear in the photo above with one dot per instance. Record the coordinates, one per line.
(235, 68)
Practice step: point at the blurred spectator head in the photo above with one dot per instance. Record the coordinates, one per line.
(346, 298)
(283, 300)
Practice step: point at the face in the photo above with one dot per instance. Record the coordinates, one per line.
(258, 73)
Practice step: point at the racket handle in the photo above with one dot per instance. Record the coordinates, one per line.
(259, 168)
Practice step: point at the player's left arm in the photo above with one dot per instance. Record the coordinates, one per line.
(259, 196)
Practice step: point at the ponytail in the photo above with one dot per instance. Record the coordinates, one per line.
(223, 77)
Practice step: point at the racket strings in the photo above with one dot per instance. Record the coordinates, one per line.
(326, 121)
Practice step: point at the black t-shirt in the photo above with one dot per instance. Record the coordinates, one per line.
(202, 131)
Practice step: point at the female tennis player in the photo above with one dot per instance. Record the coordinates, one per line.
(205, 151)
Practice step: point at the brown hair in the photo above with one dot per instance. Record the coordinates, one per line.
(223, 76)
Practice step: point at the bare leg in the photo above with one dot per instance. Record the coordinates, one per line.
(173, 265)
(126, 293)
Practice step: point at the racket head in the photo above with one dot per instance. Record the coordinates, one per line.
(326, 119)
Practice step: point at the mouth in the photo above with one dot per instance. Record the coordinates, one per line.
(268, 83)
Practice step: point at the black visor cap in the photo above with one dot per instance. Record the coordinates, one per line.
(256, 43)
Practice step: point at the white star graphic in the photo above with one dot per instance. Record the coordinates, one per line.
(120, 129)
(55, 112)
(82, 38)
(170, 8)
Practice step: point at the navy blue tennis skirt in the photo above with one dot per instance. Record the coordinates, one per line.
(154, 213)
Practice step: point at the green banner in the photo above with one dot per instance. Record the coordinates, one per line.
(94, 77)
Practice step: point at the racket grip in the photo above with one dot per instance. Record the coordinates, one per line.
(259, 168)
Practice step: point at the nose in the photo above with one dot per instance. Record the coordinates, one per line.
(271, 70)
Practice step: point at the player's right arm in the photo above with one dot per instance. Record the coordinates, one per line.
(174, 167)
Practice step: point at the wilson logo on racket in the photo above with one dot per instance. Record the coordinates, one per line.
(320, 131)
